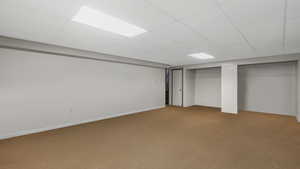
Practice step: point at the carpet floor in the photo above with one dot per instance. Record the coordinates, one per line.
(168, 138)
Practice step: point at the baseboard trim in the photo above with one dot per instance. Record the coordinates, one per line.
(213, 107)
(105, 116)
(234, 113)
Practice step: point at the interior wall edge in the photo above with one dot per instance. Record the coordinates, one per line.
(105, 116)
(25, 45)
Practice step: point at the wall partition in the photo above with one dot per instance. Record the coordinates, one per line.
(269, 88)
(41, 92)
(208, 87)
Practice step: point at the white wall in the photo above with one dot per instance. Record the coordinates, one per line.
(298, 90)
(40, 91)
(269, 88)
(229, 88)
(188, 87)
(208, 87)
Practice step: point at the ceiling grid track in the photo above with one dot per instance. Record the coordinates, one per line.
(180, 22)
(284, 25)
(234, 26)
(174, 32)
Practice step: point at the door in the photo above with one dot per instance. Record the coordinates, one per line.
(177, 88)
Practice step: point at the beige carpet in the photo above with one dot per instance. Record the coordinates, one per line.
(169, 138)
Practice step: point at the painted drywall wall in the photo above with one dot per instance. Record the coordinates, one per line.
(229, 87)
(298, 91)
(208, 87)
(40, 91)
(189, 87)
(270, 88)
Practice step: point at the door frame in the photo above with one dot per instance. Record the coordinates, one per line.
(171, 86)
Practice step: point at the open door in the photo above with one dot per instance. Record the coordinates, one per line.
(177, 83)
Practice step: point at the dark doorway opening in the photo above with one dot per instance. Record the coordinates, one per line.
(167, 90)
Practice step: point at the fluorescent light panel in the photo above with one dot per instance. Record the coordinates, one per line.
(202, 56)
(106, 22)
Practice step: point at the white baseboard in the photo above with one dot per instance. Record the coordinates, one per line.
(104, 116)
(215, 107)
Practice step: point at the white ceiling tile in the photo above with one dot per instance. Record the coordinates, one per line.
(218, 30)
(132, 11)
(200, 9)
(180, 35)
(261, 22)
(264, 36)
(88, 38)
(173, 35)
(176, 28)
(253, 11)
(35, 20)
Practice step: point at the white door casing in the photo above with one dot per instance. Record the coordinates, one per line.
(177, 88)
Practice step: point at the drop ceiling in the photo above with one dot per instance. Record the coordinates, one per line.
(226, 29)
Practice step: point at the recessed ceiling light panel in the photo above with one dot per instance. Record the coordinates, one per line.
(106, 22)
(202, 56)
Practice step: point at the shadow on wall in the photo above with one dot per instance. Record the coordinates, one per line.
(268, 88)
